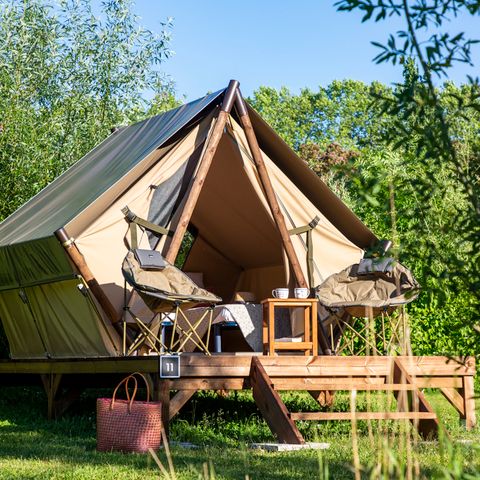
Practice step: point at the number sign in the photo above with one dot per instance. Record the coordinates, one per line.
(169, 366)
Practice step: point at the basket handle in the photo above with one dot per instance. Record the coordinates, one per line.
(145, 381)
(131, 399)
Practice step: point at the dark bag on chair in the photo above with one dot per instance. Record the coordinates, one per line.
(150, 259)
(128, 425)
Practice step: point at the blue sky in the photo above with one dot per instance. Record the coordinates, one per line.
(302, 43)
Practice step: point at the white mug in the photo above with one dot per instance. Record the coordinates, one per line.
(302, 292)
(280, 293)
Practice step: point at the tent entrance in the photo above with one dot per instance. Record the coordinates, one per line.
(238, 247)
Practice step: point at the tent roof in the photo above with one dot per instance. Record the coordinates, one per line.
(71, 193)
(310, 184)
(67, 196)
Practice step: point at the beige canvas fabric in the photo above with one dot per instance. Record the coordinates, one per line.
(237, 235)
(102, 242)
(237, 240)
(298, 210)
(311, 186)
(220, 274)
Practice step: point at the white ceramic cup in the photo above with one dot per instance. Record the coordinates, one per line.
(301, 292)
(280, 293)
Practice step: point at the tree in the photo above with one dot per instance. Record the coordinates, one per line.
(343, 132)
(432, 121)
(66, 78)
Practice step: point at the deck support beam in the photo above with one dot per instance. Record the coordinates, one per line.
(51, 383)
(467, 393)
(178, 401)
(161, 393)
(323, 397)
(414, 401)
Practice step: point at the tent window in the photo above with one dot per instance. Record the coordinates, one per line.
(187, 243)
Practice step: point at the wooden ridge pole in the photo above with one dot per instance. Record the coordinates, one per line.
(268, 189)
(79, 261)
(205, 163)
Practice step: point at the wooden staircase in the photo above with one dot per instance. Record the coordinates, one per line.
(412, 404)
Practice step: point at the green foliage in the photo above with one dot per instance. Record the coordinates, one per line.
(434, 124)
(344, 132)
(443, 327)
(66, 78)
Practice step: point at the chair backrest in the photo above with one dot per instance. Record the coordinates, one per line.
(377, 289)
(161, 288)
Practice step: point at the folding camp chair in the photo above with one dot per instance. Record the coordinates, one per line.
(371, 289)
(167, 292)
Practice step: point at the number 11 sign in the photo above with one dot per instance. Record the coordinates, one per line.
(169, 366)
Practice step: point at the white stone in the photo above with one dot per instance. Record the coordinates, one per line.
(289, 447)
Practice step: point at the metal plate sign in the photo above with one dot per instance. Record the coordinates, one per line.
(169, 366)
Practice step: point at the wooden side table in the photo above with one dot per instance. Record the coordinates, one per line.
(309, 345)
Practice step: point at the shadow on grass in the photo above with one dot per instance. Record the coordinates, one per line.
(213, 423)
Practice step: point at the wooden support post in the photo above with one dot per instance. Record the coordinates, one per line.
(179, 400)
(51, 383)
(415, 401)
(269, 192)
(274, 205)
(161, 393)
(467, 393)
(270, 404)
(325, 398)
(202, 171)
(79, 261)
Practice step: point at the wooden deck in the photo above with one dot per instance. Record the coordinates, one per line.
(266, 375)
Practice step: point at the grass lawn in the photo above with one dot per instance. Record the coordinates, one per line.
(33, 448)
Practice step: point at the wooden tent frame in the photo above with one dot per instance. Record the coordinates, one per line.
(233, 97)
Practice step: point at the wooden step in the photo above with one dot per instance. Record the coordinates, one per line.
(347, 385)
(322, 416)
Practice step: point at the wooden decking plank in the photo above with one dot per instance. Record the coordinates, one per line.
(272, 407)
(239, 365)
(361, 387)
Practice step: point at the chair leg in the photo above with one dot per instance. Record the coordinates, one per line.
(145, 335)
(193, 331)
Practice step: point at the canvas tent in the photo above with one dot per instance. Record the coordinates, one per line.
(46, 307)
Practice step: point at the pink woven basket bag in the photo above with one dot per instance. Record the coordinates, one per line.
(128, 425)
